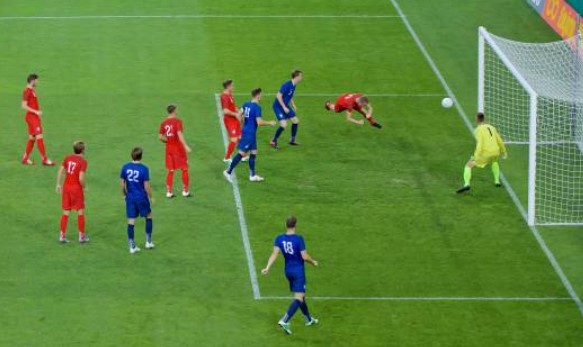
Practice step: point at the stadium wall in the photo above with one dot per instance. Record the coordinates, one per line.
(560, 15)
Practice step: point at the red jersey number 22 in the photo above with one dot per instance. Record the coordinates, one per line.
(168, 130)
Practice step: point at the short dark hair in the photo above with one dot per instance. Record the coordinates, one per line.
(31, 77)
(480, 116)
(296, 73)
(137, 153)
(227, 83)
(171, 108)
(78, 147)
(256, 92)
(290, 222)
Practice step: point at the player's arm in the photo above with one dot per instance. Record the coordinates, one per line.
(230, 113)
(501, 145)
(25, 107)
(60, 179)
(183, 141)
(271, 260)
(293, 105)
(148, 188)
(122, 185)
(279, 98)
(352, 120)
(162, 138)
(82, 179)
(309, 259)
(262, 122)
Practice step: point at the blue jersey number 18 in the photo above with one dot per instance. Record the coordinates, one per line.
(288, 247)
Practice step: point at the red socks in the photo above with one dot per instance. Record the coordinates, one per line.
(186, 179)
(169, 181)
(41, 148)
(230, 149)
(64, 221)
(81, 224)
(29, 147)
(371, 120)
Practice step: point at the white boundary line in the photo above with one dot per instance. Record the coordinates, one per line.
(197, 16)
(384, 95)
(397, 298)
(549, 254)
(240, 213)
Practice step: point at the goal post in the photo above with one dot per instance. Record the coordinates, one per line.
(533, 94)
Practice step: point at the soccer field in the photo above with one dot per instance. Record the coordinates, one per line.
(403, 259)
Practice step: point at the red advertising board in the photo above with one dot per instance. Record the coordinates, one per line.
(561, 17)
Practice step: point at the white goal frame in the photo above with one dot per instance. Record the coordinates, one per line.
(485, 38)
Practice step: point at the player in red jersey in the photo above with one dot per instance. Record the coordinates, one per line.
(231, 118)
(74, 166)
(33, 120)
(353, 101)
(176, 151)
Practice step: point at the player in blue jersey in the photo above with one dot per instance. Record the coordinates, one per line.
(252, 116)
(285, 108)
(293, 248)
(135, 185)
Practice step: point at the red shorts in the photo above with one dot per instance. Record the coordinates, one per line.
(34, 124)
(233, 126)
(176, 160)
(73, 198)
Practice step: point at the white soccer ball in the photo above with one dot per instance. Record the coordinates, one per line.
(447, 102)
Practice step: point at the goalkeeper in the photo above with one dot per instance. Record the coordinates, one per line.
(489, 147)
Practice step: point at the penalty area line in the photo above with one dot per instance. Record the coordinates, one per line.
(240, 213)
(397, 298)
(197, 16)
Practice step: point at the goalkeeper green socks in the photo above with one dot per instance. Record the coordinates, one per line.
(467, 176)
(496, 172)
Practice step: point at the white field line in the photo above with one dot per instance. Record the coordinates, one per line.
(397, 298)
(240, 213)
(197, 16)
(549, 254)
(383, 95)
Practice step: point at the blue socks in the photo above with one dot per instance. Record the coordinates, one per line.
(236, 159)
(305, 311)
(278, 133)
(131, 236)
(252, 158)
(294, 132)
(149, 227)
(291, 310)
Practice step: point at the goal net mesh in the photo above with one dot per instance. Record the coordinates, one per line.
(554, 72)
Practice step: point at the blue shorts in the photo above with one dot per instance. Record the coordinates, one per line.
(281, 115)
(248, 143)
(137, 208)
(297, 281)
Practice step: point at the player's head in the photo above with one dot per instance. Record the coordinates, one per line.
(297, 76)
(290, 222)
(362, 101)
(328, 105)
(171, 109)
(480, 117)
(137, 153)
(256, 94)
(228, 85)
(31, 79)
(79, 147)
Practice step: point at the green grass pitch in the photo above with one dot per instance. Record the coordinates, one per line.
(377, 208)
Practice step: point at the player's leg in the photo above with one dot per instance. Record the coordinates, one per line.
(281, 117)
(132, 212)
(169, 184)
(230, 149)
(496, 172)
(149, 229)
(294, 130)
(41, 148)
(186, 182)
(467, 175)
(28, 150)
(370, 119)
(64, 221)
(253, 177)
(296, 286)
(81, 226)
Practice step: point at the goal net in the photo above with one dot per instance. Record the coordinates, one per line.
(533, 94)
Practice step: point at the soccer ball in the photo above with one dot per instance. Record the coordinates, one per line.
(447, 102)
